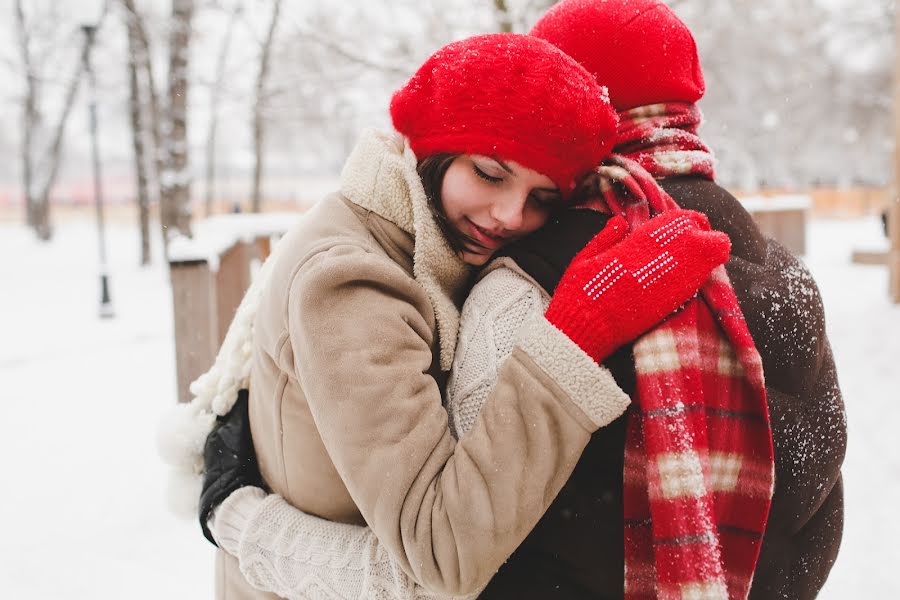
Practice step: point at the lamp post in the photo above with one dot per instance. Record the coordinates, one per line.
(106, 307)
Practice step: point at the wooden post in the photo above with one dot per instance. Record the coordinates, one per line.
(196, 322)
(232, 280)
(894, 201)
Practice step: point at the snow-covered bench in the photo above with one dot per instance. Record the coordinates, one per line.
(209, 274)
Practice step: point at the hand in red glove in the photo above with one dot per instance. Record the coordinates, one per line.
(621, 285)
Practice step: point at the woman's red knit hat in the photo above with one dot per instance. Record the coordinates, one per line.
(638, 49)
(511, 96)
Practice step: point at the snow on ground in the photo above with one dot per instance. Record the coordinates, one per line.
(82, 502)
(864, 329)
(82, 497)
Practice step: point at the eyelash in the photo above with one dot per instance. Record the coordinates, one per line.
(485, 176)
(540, 203)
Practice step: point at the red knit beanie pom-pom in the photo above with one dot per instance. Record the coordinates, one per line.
(638, 49)
(510, 96)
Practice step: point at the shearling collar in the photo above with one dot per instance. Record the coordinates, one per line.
(380, 175)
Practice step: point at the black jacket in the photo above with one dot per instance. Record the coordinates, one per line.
(576, 550)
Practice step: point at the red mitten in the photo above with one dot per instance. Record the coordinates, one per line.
(618, 287)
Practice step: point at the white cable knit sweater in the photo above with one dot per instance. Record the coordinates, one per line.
(286, 551)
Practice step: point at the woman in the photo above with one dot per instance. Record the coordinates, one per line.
(448, 514)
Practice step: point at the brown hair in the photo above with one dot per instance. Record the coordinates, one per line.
(431, 171)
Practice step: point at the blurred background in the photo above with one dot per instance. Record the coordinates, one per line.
(153, 149)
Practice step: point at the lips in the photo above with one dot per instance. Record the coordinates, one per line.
(484, 237)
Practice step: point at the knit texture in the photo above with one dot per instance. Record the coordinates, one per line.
(699, 465)
(494, 311)
(639, 49)
(511, 96)
(300, 556)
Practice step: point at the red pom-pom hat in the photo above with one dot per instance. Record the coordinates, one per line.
(510, 96)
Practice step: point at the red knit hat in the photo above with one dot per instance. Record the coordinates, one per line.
(638, 49)
(511, 96)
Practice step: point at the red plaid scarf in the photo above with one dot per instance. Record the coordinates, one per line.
(699, 468)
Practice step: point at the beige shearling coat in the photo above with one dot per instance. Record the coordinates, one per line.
(354, 333)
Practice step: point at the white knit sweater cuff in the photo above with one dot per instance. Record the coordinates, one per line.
(229, 521)
(589, 385)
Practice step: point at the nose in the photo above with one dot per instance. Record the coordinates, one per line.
(508, 211)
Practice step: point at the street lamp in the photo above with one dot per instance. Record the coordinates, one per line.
(106, 307)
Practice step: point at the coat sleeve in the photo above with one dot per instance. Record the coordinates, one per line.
(503, 298)
(288, 552)
(450, 513)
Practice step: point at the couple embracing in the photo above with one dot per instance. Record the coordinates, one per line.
(530, 349)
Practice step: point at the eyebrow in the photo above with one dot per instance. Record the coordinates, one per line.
(509, 170)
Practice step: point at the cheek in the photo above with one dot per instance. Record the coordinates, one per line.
(456, 192)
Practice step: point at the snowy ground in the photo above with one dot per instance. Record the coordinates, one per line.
(83, 505)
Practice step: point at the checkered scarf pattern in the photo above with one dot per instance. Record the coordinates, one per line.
(699, 469)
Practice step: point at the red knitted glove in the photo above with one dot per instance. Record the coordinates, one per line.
(620, 285)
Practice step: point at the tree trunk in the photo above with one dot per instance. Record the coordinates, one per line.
(215, 97)
(175, 202)
(137, 137)
(49, 165)
(259, 108)
(503, 16)
(145, 66)
(30, 115)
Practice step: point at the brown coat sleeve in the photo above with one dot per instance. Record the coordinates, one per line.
(450, 513)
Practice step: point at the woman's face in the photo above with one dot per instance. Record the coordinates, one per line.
(493, 202)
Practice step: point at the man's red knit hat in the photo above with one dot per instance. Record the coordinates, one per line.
(638, 49)
(511, 96)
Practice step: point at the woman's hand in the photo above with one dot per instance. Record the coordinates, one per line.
(622, 284)
(229, 460)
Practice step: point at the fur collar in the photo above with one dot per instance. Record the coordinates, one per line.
(380, 175)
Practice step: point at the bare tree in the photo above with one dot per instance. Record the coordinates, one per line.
(175, 200)
(138, 130)
(37, 193)
(259, 107)
(503, 16)
(30, 116)
(150, 112)
(215, 99)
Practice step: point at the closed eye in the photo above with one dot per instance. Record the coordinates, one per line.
(485, 176)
